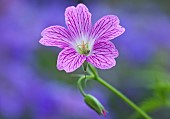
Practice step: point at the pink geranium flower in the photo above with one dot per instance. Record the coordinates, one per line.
(82, 41)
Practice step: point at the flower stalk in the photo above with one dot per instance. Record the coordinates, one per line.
(117, 92)
(80, 85)
(123, 97)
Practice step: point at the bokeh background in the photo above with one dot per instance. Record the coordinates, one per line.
(32, 88)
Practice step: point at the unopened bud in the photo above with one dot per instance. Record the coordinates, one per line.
(94, 104)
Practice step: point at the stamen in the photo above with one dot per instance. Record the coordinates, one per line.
(83, 48)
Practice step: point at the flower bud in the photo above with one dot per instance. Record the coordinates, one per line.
(94, 104)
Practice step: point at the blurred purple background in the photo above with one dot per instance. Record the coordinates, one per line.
(32, 88)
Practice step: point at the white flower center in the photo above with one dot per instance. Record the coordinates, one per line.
(83, 45)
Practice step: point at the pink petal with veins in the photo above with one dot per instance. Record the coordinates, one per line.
(103, 55)
(56, 36)
(107, 28)
(69, 60)
(78, 20)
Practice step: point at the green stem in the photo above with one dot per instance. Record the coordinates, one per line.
(80, 85)
(92, 70)
(114, 90)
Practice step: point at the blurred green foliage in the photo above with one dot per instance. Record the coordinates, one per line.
(160, 97)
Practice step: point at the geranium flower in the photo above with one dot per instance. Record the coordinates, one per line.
(82, 41)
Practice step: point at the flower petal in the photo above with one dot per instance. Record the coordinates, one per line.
(56, 36)
(78, 20)
(69, 60)
(103, 55)
(107, 28)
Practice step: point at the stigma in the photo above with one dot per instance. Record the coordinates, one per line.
(83, 48)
